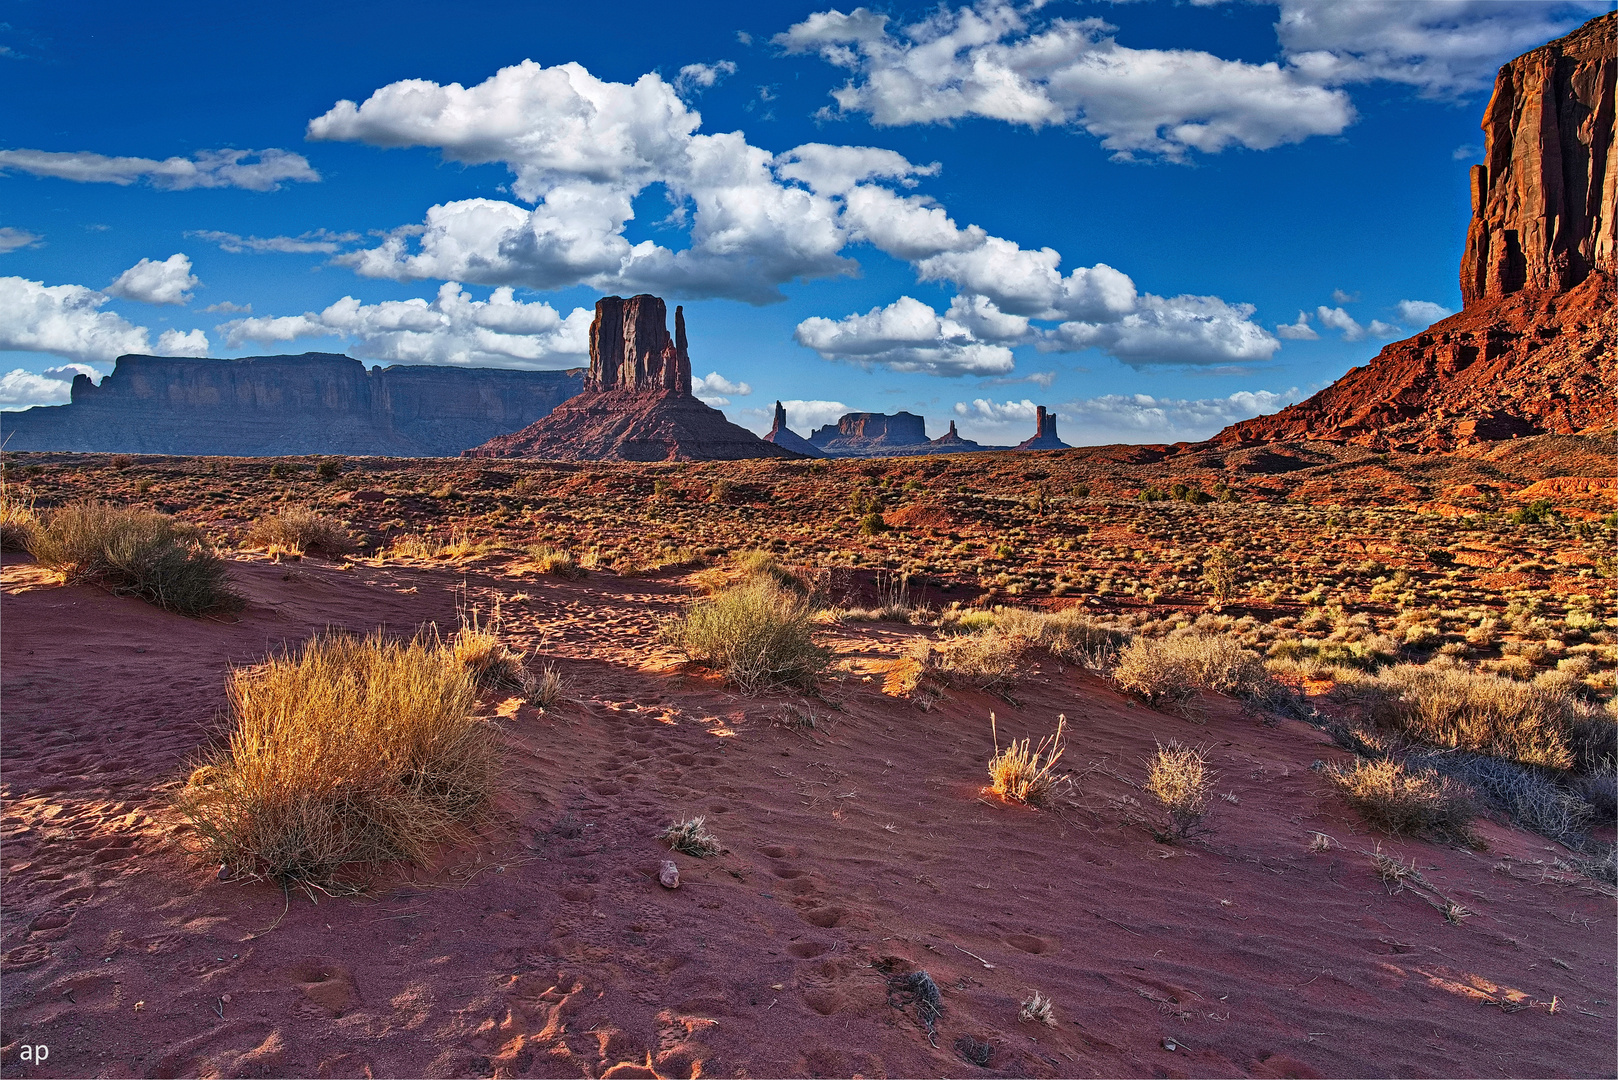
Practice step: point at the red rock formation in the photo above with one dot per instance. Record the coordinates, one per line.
(952, 443)
(1530, 363)
(1536, 348)
(781, 435)
(1543, 204)
(637, 403)
(1044, 434)
(868, 434)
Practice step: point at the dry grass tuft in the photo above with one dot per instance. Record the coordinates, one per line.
(1022, 774)
(987, 661)
(554, 561)
(691, 836)
(357, 751)
(494, 666)
(18, 522)
(1039, 1009)
(297, 529)
(1179, 778)
(1170, 670)
(1470, 710)
(134, 552)
(1404, 803)
(758, 635)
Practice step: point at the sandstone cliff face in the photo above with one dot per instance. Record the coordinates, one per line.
(861, 433)
(630, 347)
(1536, 348)
(315, 403)
(637, 403)
(1543, 203)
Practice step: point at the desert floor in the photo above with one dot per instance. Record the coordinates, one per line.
(856, 849)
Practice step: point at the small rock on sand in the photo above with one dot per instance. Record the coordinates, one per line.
(669, 875)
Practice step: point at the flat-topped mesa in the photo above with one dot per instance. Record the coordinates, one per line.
(630, 347)
(1545, 202)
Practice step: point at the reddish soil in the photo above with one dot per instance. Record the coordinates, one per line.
(859, 848)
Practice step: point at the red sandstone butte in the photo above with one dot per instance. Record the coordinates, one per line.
(1535, 350)
(637, 403)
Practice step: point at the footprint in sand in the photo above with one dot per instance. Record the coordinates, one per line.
(808, 950)
(327, 983)
(1029, 944)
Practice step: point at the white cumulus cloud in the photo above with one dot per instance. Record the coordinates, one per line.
(166, 282)
(1142, 418)
(22, 389)
(1298, 331)
(67, 321)
(176, 343)
(1191, 330)
(907, 335)
(1420, 314)
(716, 390)
(255, 170)
(452, 328)
(1338, 319)
(695, 78)
(992, 61)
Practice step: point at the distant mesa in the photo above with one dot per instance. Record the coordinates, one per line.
(636, 403)
(863, 434)
(1535, 350)
(1044, 433)
(314, 403)
(783, 436)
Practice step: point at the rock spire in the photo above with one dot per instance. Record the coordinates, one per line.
(630, 347)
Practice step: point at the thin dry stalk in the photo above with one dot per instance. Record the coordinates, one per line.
(1026, 775)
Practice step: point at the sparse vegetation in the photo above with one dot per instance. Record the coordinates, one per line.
(134, 552)
(1404, 802)
(557, 562)
(1038, 1009)
(1026, 775)
(18, 522)
(355, 751)
(1170, 670)
(690, 836)
(756, 633)
(1178, 777)
(297, 529)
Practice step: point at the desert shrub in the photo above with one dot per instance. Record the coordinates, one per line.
(299, 529)
(1537, 512)
(1039, 1009)
(554, 561)
(478, 647)
(18, 522)
(1366, 654)
(1404, 802)
(723, 491)
(872, 524)
(987, 661)
(133, 552)
(757, 634)
(1219, 577)
(1068, 635)
(1468, 710)
(353, 752)
(1525, 795)
(1023, 774)
(959, 620)
(329, 468)
(691, 837)
(1179, 779)
(1171, 669)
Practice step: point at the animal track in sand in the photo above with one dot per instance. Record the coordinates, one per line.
(825, 917)
(1028, 943)
(327, 983)
(776, 851)
(808, 950)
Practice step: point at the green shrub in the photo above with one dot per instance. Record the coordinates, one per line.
(329, 468)
(872, 523)
(756, 633)
(1538, 512)
(133, 552)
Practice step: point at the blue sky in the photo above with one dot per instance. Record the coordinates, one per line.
(1155, 217)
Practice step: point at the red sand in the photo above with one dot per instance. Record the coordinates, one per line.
(549, 949)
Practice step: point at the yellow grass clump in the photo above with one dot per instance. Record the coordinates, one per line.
(1402, 801)
(1023, 774)
(356, 751)
(134, 552)
(1471, 710)
(297, 529)
(758, 635)
(18, 522)
(1170, 670)
(1179, 778)
(690, 836)
(557, 562)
